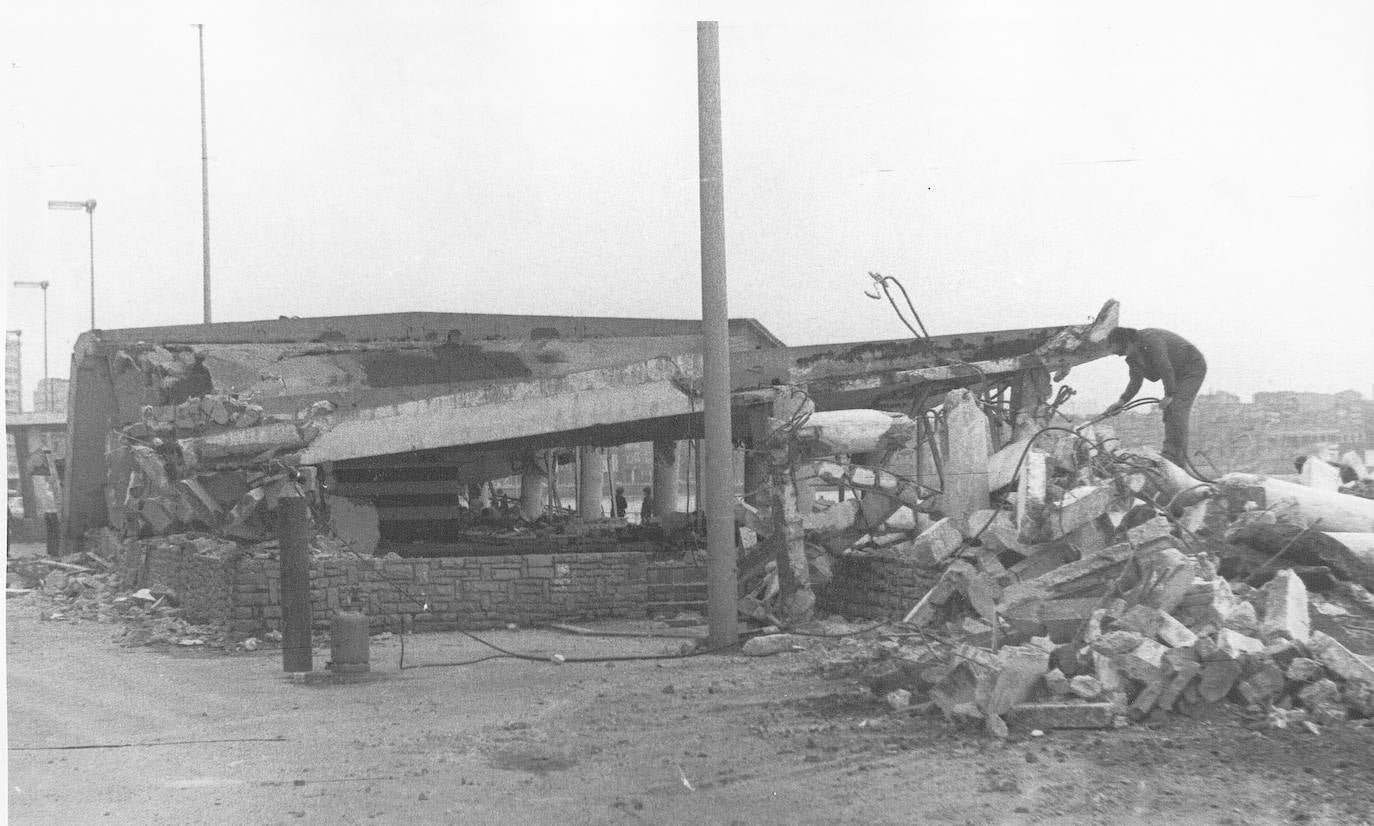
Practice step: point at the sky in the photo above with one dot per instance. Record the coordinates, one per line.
(1207, 164)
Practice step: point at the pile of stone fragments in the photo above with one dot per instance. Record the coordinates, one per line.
(1110, 586)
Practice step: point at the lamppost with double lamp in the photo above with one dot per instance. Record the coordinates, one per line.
(47, 385)
(89, 206)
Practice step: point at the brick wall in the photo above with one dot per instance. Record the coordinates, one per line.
(217, 583)
(874, 587)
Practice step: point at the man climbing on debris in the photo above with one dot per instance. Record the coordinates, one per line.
(1159, 355)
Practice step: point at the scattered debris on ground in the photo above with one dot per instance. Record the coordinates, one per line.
(1111, 587)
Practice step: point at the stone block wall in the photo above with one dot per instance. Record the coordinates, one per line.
(448, 593)
(875, 587)
(197, 571)
(219, 583)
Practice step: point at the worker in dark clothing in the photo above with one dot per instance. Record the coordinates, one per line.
(1159, 355)
(621, 503)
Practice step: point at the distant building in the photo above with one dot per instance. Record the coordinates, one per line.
(1263, 436)
(50, 396)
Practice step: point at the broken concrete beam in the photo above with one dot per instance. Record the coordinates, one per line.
(245, 443)
(1330, 510)
(1077, 508)
(1059, 619)
(1341, 661)
(935, 544)
(1285, 608)
(1175, 488)
(1090, 537)
(854, 431)
(966, 459)
(1032, 525)
(1086, 575)
(1004, 465)
(1068, 715)
(1146, 532)
(1022, 667)
(1152, 622)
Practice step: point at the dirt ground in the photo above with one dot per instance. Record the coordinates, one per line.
(101, 733)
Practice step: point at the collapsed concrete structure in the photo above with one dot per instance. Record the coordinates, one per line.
(393, 422)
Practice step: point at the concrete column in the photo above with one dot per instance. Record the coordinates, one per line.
(665, 477)
(966, 461)
(1031, 400)
(532, 488)
(590, 480)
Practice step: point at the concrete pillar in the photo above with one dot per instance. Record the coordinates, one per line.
(966, 459)
(532, 487)
(665, 477)
(1031, 400)
(590, 480)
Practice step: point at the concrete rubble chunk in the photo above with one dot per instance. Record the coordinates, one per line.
(1218, 678)
(1341, 661)
(1285, 608)
(1086, 686)
(769, 644)
(1263, 686)
(1232, 643)
(1056, 682)
(1145, 662)
(1022, 667)
(1173, 574)
(1157, 528)
(1065, 715)
(936, 544)
(1032, 523)
(1118, 642)
(1078, 507)
(1243, 618)
(1184, 674)
(1304, 670)
(1323, 700)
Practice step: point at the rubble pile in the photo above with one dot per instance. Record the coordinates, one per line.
(1108, 586)
(207, 463)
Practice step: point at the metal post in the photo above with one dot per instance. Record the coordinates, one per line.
(204, 178)
(90, 213)
(47, 385)
(718, 487)
(293, 536)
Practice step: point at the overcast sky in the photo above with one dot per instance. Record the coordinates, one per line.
(1014, 164)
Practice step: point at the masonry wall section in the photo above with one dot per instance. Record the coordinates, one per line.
(875, 587)
(449, 593)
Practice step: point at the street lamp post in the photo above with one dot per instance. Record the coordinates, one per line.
(47, 385)
(89, 206)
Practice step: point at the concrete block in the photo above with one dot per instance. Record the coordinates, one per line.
(1022, 667)
(935, 544)
(1145, 662)
(1232, 643)
(1067, 715)
(1341, 661)
(1218, 678)
(1285, 608)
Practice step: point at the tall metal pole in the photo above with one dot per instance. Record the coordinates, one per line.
(90, 213)
(204, 179)
(47, 385)
(717, 488)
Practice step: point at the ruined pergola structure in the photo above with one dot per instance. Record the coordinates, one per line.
(443, 400)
